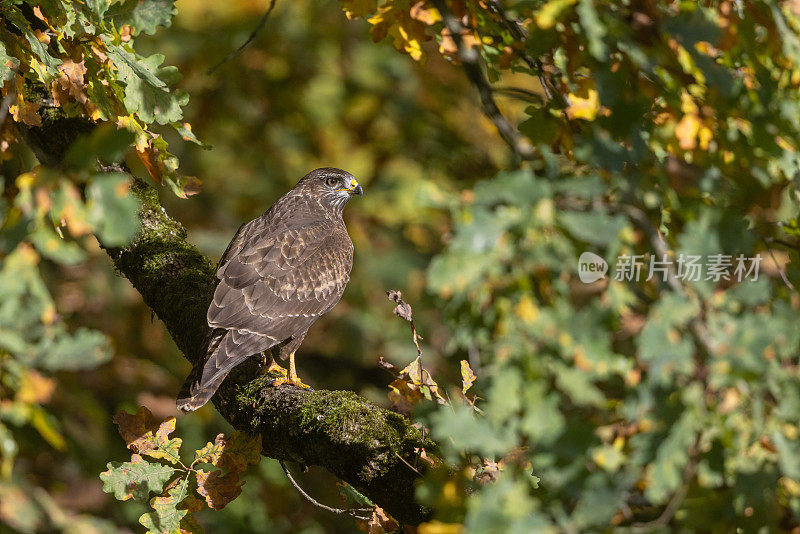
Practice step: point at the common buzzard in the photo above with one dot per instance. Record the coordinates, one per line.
(280, 273)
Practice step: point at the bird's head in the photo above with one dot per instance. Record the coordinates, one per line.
(332, 186)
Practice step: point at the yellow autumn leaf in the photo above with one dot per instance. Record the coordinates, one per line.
(791, 486)
(688, 105)
(526, 309)
(548, 15)
(26, 112)
(424, 14)
(686, 131)
(586, 107)
(407, 33)
(437, 527)
(411, 45)
(359, 8)
(467, 376)
(704, 136)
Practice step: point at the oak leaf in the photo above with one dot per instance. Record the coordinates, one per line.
(135, 479)
(166, 516)
(218, 489)
(144, 435)
(234, 453)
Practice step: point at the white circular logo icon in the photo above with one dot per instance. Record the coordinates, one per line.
(591, 267)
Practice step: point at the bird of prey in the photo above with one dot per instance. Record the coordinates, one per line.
(280, 273)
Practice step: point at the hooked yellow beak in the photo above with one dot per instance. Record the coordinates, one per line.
(354, 188)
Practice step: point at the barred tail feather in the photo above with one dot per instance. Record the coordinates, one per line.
(193, 395)
(205, 378)
(226, 350)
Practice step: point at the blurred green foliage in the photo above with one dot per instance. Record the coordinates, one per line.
(633, 402)
(669, 126)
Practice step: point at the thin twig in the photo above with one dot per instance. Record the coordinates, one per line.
(408, 464)
(350, 511)
(782, 242)
(519, 33)
(675, 502)
(780, 270)
(415, 337)
(549, 87)
(639, 217)
(520, 94)
(470, 60)
(249, 40)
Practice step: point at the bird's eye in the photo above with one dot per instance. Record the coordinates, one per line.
(332, 181)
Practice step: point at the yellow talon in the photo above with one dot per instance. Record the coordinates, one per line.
(292, 379)
(272, 368)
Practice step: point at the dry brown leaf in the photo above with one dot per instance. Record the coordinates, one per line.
(218, 490)
(403, 309)
(234, 453)
(42, 36)
(379, 523)
(71, 83)
(125, 33)
(37, 12)
(404, 395)
(149, 157)
(191, 185)
(22, 110)
(74, 71)
(141, 430)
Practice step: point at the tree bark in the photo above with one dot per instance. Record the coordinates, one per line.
(370, 448)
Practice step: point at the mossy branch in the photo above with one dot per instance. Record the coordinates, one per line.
(368, 447)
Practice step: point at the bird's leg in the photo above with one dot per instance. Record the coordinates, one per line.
(271, 367)
(292, 379)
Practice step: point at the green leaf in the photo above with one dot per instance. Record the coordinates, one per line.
(82, 350)
(112, 209)
(505, 505)
(146, 92)
(596, 228)
(106, 142)
(56, 248)
(6, 71)
(540, 126)
(37, 47)
(144, 68)
(595, 30)
(185, 131)
(664, 343)
(98, 7)
(135, 479)
(462, 430)
(543, 422)
(519, 188)
(672, 456)
(143, 15)
(354, 496)
(166, 516)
